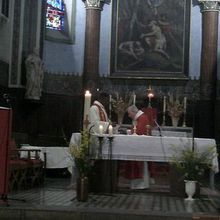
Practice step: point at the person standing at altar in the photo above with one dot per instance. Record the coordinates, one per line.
(137, 171)
(98, 115)
(142, 120)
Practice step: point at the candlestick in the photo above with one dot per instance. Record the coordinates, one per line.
(110, 107)
(184, 104)
(110, 103)
(110, 130)
(134, 127)
(101, 128)
(134, 130)
(148, 127)
(87, 103)
(150, 96)
(111, 173)
(184, 111)
(134, 99)
(164, 104)
(164, 110)
(99, 152)
(184, 119)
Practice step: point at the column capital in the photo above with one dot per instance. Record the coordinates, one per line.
(95, 4)
(209, 5)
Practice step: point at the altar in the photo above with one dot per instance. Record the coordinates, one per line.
(146, 148)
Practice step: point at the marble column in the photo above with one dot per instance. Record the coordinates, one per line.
(208, 71)
(92, 40)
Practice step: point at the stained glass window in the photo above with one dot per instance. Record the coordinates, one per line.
(55, 15)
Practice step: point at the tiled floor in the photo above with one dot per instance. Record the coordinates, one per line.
(59, 193)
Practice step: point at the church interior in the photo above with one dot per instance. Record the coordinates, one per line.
(159, 58)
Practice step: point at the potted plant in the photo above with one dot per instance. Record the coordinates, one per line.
(192, 165)
(83, 164)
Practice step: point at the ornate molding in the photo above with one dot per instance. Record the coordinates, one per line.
(209, 5)
(95, 4)
(62, 83)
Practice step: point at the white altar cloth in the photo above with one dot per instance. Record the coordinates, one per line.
(146, 148)
(56, 157)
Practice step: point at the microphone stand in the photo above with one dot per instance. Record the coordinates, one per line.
(110, 138)
(193, 126)
(159, 128)
(161, 140)
(100, 137)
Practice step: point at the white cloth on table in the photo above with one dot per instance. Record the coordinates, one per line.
(149, 148)
(152, 148)
(56, 157)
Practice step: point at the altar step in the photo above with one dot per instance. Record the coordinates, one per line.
(58, 201)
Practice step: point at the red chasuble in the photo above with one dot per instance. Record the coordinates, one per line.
(151, 114)
(142, 122)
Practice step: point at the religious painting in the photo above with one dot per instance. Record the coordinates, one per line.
(150, 38)
(60, 17)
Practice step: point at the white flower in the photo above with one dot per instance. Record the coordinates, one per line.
(174, 107)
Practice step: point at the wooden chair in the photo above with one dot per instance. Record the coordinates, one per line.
(17, 169)
(36, 173)
(24, 172)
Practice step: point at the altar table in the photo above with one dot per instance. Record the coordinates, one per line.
(147, 148)
(56, 157)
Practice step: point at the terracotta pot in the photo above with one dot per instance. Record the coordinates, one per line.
(82, 189)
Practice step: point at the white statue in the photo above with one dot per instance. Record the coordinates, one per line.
(34, 75)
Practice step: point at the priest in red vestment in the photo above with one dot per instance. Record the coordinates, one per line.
(142, 120)
(137, 171)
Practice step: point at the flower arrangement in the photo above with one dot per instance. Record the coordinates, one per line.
(191, 163)
(120, 105)
(174, 107)
(80, 153)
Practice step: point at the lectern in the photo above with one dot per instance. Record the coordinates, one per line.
(5, 134)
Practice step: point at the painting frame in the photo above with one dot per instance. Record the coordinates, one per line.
(148, 41)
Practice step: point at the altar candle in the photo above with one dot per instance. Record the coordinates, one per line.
(110, 103)
(87, 103)
(134, 99)
(110, 130)
(101, 130)
(184, 104)
(164, 104)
